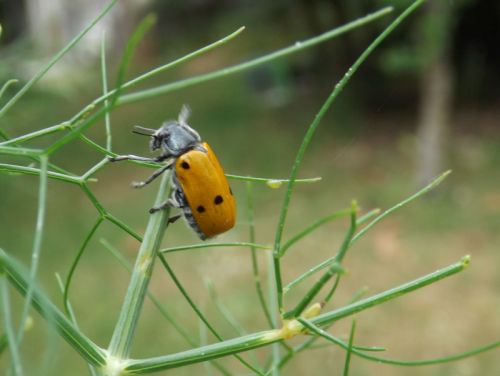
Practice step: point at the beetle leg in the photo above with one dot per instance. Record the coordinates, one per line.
(174, 218)
(131, 157)
(170, 203)
(140, 184)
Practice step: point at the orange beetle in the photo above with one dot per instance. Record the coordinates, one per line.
(201, 189)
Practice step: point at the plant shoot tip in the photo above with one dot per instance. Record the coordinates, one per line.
(465, 260)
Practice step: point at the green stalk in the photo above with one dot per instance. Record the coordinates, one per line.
(349, 349)
(395, 292)
(75, 263)
(310, 132)
(214, 245)
(19, 278)
(37, 243)
(123, 334)
(253, 250)
(358, 350)
(298, 46)
(36, 171)
(260, 339)
(10, 337)
(104, 79)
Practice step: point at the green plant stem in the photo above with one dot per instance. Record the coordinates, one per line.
(337, 259)
(198, 311)
(349, 349)
(253, 249)
(311, 130)
(127, 321)
(87, 109)
(10, 336)
(104, 80)
(95, 356)
(364, 230)
(405, 363)
(36, 171)
(224, 72)
(54, 60)
(37, 244)
(313, 291)
(256, 340)
(433, 184)
(274, 183)
(313, 226)
(7, 85)
(371, 301)
(26, 152)
(163, 311)
(19, 278)
(42, 132)
(75, 263)
(213, 245)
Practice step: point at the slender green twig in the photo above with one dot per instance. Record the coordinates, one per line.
(313, 291)
(224, 72)
(36, 171)
(214, 245)
(161, 308)
(409, 363)
(337, 259)
(253, 249)
(6, 86)
(19, 278)
(310, 132)
(198, 311)
(104, 79)
(10, 336)
(405, 288)
(313, 226)
(433, 184)
(365, 229)
(85, 111)
(349, 349)
(76, 261)
(271, 182)
(37, 244)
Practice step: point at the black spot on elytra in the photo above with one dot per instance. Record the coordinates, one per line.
(185, 165)
(218, 200)
(200, 209)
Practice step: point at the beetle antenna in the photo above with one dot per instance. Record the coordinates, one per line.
(184, 115)
(143, 131)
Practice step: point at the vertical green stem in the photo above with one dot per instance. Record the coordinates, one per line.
(10, 337)
(37, 243)
(255, 264)
(273, 305)
(141, 275)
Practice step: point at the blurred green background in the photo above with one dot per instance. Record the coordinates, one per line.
(426, 101)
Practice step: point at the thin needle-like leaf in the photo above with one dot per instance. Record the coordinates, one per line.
(347, 362)
(10, 337)
(37, 244)
(75, 264)
(104, 79)
(255, 263)
(213, 245)
(197, 310)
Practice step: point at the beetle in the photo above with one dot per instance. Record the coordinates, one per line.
(200, 188)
